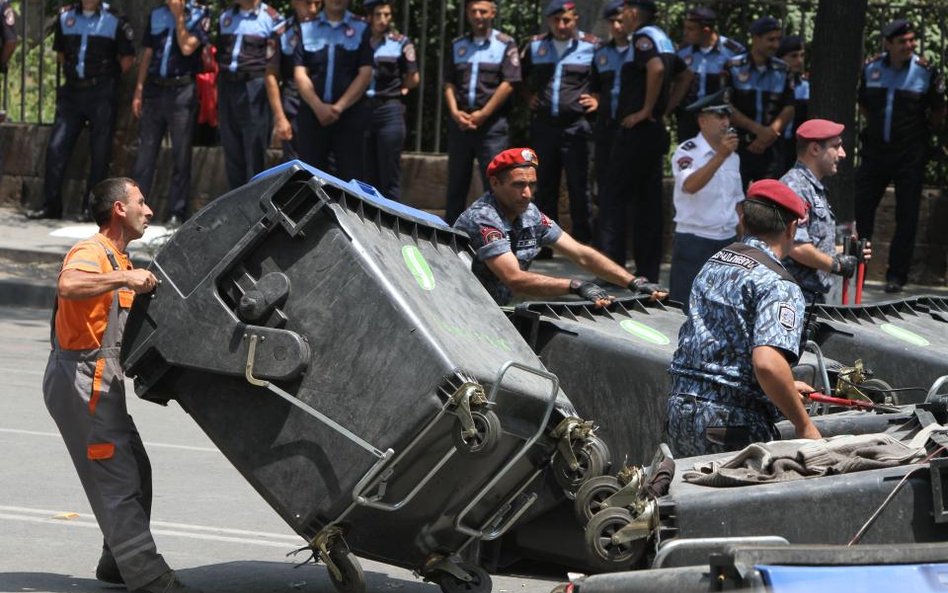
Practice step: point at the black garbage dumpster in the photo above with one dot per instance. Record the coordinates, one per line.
(337, 349)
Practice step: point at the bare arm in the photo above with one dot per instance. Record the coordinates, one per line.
(76, 284)
(679, 88)
(126, 62)
(410, 82)
(775, 378)
(499, 97)
(700, 178)
(808, 255)
(450, 99)
(356, 88)
(592, 261)
(281, 125)
(140, 81)
(187, 42)
(507, 269)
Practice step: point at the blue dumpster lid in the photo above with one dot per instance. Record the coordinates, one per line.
(918, 578)
(362, 190)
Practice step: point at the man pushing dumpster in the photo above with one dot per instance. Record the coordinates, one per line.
(507, 231)
(84, 388)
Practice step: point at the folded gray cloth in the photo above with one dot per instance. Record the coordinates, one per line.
(783, 461)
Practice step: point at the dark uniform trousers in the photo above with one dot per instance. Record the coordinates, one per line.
(635, 183)
(563, 143)
(171, 108)
(386, 142)
(604, 136)
(92, 102)
(906, 168)
(291, 109)
(245, 123)
(345, 140)
(689, 254)
(766, 165)
(463, 147)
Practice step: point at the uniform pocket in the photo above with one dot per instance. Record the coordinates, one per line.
(99, 451)
(126, 297)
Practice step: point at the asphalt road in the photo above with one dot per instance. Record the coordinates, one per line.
(210, 525)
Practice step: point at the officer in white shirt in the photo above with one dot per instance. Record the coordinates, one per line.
(707, 190)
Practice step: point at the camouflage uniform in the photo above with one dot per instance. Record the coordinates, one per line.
(819, 229)
(493, 235)
(736, 304)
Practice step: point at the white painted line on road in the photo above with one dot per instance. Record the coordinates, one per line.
(148, 444)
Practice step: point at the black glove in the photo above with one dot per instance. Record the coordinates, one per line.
(641, 285)
(587, 290)
(844, 265)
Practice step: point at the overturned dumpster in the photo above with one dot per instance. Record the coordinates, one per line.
(336, 348)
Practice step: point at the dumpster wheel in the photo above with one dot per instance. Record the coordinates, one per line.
(600, 543)
(591, 496)
(480, 581)
(879, 391)
(348, 576)
(482, 438)
(592, 459)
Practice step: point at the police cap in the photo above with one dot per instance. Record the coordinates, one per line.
(819, 129)
(558, 6)
(764, 25)
(497, 2)
(612, 8)
(897, 28)
(370, 4)
(789, 44)
(647, 4)
(512, 158)
(701, 14)
(719, 102)
(771, 191)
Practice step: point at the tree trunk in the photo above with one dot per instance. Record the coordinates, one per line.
(836, 59)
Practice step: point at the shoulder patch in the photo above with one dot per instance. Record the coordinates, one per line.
(787, 316)
(9, 17)
(689, 145)
(589, 38)
(684, 162)
(545, 220)
(490, 234)
(734, 46)
(503, 37)
(874, 58)
(644, 43)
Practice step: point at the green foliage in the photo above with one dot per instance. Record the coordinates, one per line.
(30, 85)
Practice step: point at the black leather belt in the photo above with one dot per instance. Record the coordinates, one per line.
(184, 79)
(239, 76)
(87, 83)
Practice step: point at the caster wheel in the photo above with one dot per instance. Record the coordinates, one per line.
(593, 458)
(602, 550)
(485, 440)
(592, 494)
(879, 391)
(480, 581)
(351, 579)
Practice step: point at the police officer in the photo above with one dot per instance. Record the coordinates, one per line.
(731, 371)
(84, 388)
(814, 256)
(762, 97)
(394, 74)
(707, 190)
(94, 45)
(333, 70)
(792, 52)
(605, 85)
(507, 231)
(284, 117)
(557, 73)
(653, 79)
(706, 52)
(165, 99)
(247, 46)
(479, 78)
(901, 97)
(8, 35)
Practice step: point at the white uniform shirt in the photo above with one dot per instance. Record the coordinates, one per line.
(709, 213)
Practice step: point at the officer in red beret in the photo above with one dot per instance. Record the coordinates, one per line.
(507, 231)
(814, 257)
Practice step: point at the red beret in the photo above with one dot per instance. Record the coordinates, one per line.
(819, 129)
(771, 190)
(511, 158)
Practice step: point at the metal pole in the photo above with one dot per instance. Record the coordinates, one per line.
(439, 106)
(406, 7)
(422, 61)
(42, 67)
(24, 11)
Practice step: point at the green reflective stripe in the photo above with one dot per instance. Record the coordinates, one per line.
(644, 332)
(418, 267)
(905, 335)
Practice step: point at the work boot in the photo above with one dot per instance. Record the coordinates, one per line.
(107, 571)
(166, 583)
(43, 213)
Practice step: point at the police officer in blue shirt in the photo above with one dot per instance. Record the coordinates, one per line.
(394, 74)
(901, 98)
(792, 52)
(557, 70)
(605, 85)
(762, 96)
(507, 231)
(284, 115)
(731, 371)
(706, 52)
(333, 70)
(8, 35)
(479, 77)
(653, 80)
(165, 99)
(94, 45)
(247, 46)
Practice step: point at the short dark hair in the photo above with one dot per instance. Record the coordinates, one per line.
(765, 219)
(107, 192)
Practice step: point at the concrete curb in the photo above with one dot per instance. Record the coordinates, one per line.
(23, 292)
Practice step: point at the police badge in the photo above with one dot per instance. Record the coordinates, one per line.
(227, 21)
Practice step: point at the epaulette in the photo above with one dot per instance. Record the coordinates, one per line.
(359, 18)
(458, 38)
(66, 8)
(778, 64)
(734, 46)
(875, 58)
(395, 36)
(688, 145)
(503, 37)
(589, 38)
(273, 12)
(539, 37)
(740, 60)
(921, 61)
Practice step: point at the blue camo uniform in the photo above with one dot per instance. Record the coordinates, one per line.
(394, 59)
(605, 81)
(289, 94)
(560, 129)
(708, 64)
(169, 102)
(492, 235)
(737, 304)
(819, 228)
(760, 94)
(895, 148)
(477, 68)
(91, 46)
(636, 163)
(332, 55)
(247, 45)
